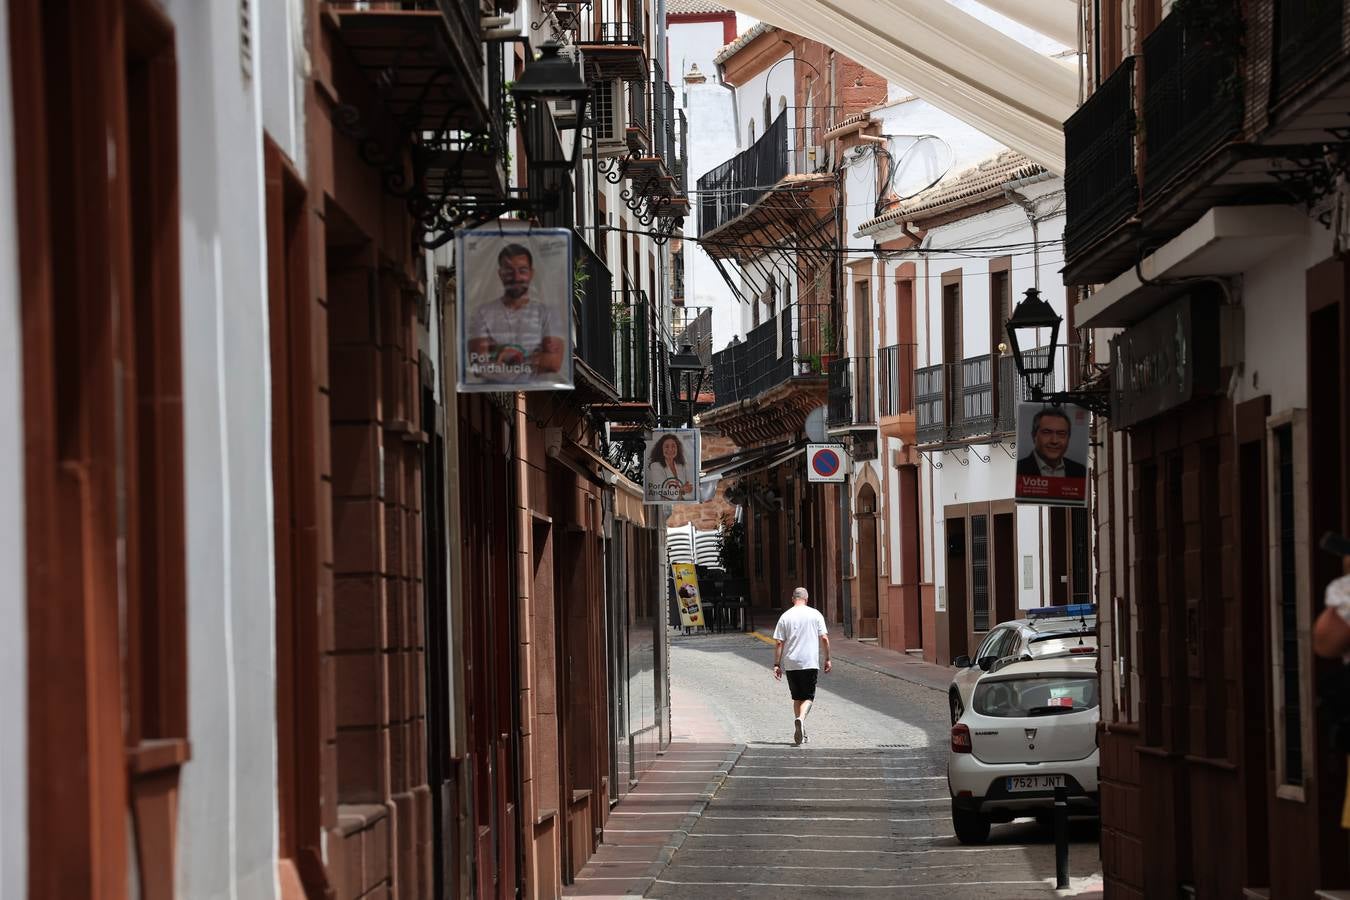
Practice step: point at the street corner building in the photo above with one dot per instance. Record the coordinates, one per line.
(290, 616)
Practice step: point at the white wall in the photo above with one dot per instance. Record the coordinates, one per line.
(281, 39)
(712, 141)
(693, 43)
(227, 826)
(776, 79)
(13, 594)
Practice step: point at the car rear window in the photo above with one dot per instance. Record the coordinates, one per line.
(1035, 695)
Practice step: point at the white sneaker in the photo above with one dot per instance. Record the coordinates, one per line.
(798, 732)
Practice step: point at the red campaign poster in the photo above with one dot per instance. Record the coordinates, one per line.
(1052, 454)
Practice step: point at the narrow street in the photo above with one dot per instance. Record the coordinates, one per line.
(863, 806)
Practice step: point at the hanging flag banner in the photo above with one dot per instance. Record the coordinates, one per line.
(687, 595)
(515, 309)
(1052, 449)
(670, 466)
(826, 462)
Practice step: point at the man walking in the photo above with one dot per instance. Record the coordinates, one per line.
(801, 636)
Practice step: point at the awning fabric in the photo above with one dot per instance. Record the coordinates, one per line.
(745, 462)
(951, 59)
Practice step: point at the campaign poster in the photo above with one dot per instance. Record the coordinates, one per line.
(687, 596)
(1052, 451)
(515, 309)
(670, 466)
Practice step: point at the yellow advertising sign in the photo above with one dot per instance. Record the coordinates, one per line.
(687, 596)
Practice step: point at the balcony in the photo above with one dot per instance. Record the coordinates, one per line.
(1192, 97)
(737, 184)
(1100, 183)
(1307, 38)
(592, 316)
(772, 353)
(633, 341)
(849, 393)
(692, 325)
(895, 380)
(959, 403)
(611, 38)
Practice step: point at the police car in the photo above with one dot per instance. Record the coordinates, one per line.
(1045, 632)
(1030, 727)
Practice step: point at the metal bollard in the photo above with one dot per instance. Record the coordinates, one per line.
(1061, 837)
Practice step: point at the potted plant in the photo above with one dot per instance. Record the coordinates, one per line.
(812, 362)
(827, 352)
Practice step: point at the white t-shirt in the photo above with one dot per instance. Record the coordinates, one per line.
(800, 629)
(667, 483)
(523, 329)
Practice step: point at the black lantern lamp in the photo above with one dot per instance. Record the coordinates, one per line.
(551, 77)
(1031, 315)
(686, 375)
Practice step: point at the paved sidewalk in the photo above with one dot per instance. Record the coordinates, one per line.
(879, 659)
(650, 823)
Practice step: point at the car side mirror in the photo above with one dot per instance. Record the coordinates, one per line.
(987, 661)
(962, 662)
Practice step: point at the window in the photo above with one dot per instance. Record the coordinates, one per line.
(979, 570)
(604, 111)
(751, 132)
(1035, 696)
(1288, 583)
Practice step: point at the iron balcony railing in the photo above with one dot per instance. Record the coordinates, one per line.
(1100, 184)
(614, 22)
(787, 345)
(592, 318)
(1192, 94)
(631, 316)
(735, 185)
(692, 325)
(1307, 38)
(682, 163)
(967, 401)
(895, 380)
(849, 392)
(663, 118)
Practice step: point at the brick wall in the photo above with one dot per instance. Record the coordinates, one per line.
(707, 516)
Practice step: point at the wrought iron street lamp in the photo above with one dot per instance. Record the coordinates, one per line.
(1036, 370)
(686, 375)
(551, 77)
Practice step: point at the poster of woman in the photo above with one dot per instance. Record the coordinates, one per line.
(515, 314)
(670, 465)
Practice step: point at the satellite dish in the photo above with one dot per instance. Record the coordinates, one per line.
(815, 425)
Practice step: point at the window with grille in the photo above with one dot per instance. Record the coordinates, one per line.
(604, 111)
(979, 570)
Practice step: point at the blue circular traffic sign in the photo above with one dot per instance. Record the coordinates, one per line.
(825, 463)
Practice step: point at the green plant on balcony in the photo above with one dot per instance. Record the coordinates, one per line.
(811, 361)
(622, 314)
(827, 342)
(580, 278)
(1219, 29)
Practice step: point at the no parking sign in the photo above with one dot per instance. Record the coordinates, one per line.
(826, 462)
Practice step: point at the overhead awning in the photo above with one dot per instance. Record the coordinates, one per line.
(951, 59)
(745, 462)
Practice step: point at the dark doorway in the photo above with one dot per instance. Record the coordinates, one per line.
(868, 616)
(1253, 645)
(1005, 567)
(957, 601)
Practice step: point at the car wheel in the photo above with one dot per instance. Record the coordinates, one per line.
(971, 827)
(957, 708)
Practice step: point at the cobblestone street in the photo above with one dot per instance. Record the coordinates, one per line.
(862, 807)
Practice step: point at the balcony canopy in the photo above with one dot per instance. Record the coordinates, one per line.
(953, 60)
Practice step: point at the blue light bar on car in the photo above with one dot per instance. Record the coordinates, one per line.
(1063, 612)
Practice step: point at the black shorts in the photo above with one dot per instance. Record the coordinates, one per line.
(802, 683)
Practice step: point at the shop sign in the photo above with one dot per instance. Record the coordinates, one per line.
(1165, 361)
(687, 597)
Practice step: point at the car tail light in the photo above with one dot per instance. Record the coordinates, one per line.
(1082, 649)
(960, 739)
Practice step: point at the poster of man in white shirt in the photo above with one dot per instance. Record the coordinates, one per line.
(515, 290)
(1052, 446)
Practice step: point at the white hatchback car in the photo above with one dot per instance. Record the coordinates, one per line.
(1047, 631)
(1031, 726)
